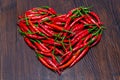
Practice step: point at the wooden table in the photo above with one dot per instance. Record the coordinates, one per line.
(18, 61)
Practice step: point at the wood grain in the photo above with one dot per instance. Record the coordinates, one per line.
(18, 61)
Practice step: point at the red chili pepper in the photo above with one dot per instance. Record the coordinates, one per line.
(52, 10)
(23, 27)
(59, 51)
(67, 26)
(81, 35)
(93, 21)
(54, 26)
(98, 39)
(57, 19)
(33, 27)
(41, 46)
(83, 53)
(44, 32)
(95, 16)
(91, 35)
(67, 57)
(29, 43)
(71, 12)
(45, 62)
(87, 38)
(57, 27)
(51, 42)
(61, 16)
(70, 61)
(37, 17)
(43, 53)
(67, 23)
(52, 64)
(59, 23)
(34, 36)
(43, 10)
(76, 20)
(86, 22)
(78, 47)
(92, 40)
(47, 30)
(78, 27)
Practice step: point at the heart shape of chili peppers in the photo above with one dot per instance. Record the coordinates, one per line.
(60, 41)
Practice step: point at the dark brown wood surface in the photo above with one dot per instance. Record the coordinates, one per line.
(18, 61)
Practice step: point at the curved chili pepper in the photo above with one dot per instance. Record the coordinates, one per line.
(54, 26)
(57, 50)
(41, 46)
(47, 30)
(23, 27)
(81, 55)
(98, 39)
(29, 43)
(76, 20)
(44, 32)
(51, 42)
(44, 61)
(91, 35)
(78, 47)
(57, 27)
(43, 53)
(50, 62)
(95, 16)
(33, 36)
(70, 61)
(87, 38)
(78, 27)
(33, 26)
(67, 57)
(37, 17)
(81, 35)
(92, 20)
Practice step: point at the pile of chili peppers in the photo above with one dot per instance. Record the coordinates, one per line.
(60, 40)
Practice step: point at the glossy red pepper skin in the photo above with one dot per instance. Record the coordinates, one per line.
(51, 63)
(82, 34)
(67, 57)
(76, 20)
(70, 61)
(87, 38)
(33, 36)
(41, 47)
(43, 31)
(33, 27)
(23, 27)
(37, 17)
(81, 55)
(78, 47)
(29, 43)
(93, 21)
(54, 26)
(78, 27)
(44, 61)
(51, 42)
(43, 53)
(46, 29)
(97, 40)
(52, 10)
(95, 16)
